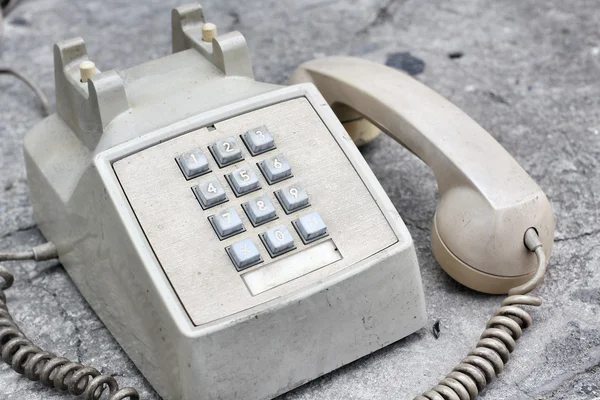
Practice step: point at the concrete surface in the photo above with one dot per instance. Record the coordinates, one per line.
(528, 71)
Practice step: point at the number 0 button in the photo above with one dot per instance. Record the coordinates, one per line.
(278, 240)
(226, 151)
(210, 193)
(275, 169)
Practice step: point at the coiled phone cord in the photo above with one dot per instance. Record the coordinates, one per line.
(492, 352)
(38, 365)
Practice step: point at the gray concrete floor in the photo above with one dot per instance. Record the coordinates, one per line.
(528, 71)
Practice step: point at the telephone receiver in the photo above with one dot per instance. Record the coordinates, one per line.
(198, 212)
(487, 201)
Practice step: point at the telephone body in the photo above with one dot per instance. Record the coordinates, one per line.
(229, 233)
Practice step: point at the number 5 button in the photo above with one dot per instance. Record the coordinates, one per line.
(243, 180)
(278, 240)
(275, 169)
(210, 193)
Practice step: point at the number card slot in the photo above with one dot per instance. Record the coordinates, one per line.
(292, 267)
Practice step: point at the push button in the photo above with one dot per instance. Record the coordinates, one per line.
(226, 223)
(210, 193)
(310, 227)
(258, 140)
(292, 198)
(226, 151)
(193, 163)
(260, 210)
(243, 180)
(278, 240)
(275, 169)
(244, 254)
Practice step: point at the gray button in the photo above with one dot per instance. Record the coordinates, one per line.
(226, 151)
(244, 254)
(227, 223)
(260, 210)
(275, 168)
(293, 197)
(311, 227)
(193, 163)
(210, 193)
(278, 240)
(243, 180)
(259, 140)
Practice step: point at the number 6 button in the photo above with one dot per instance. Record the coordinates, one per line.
(278, 240)
(275, 169)
(210, 193)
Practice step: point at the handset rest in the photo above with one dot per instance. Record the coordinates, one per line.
(487, 201)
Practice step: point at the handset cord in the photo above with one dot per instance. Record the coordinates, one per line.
(37, 365)
(466, 380)
(493, 350)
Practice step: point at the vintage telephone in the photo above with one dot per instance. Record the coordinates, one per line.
(231, 236)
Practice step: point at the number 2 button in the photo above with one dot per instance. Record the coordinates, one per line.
(226, 151)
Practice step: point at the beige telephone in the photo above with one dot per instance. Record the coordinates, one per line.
(231, 236)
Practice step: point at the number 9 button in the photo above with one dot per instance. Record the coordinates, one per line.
(292, 198)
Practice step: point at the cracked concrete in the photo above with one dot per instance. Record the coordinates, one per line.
(527, 71)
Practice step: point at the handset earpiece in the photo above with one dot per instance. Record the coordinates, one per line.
(487, 201)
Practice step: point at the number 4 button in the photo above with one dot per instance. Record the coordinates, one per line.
(209, 193)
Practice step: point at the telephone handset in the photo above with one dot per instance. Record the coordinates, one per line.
(232, 238)
(487, 201)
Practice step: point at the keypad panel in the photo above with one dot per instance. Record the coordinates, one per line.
(259, 209)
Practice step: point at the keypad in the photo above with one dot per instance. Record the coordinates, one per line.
(210, 193)
(260, 209)
(243, 180)
(193, 163)
(275, 169)
(244, 254)
(310, 227)
(278, 240)
(226, 151)
(258, 140)
(227, 223)
(292, 198)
